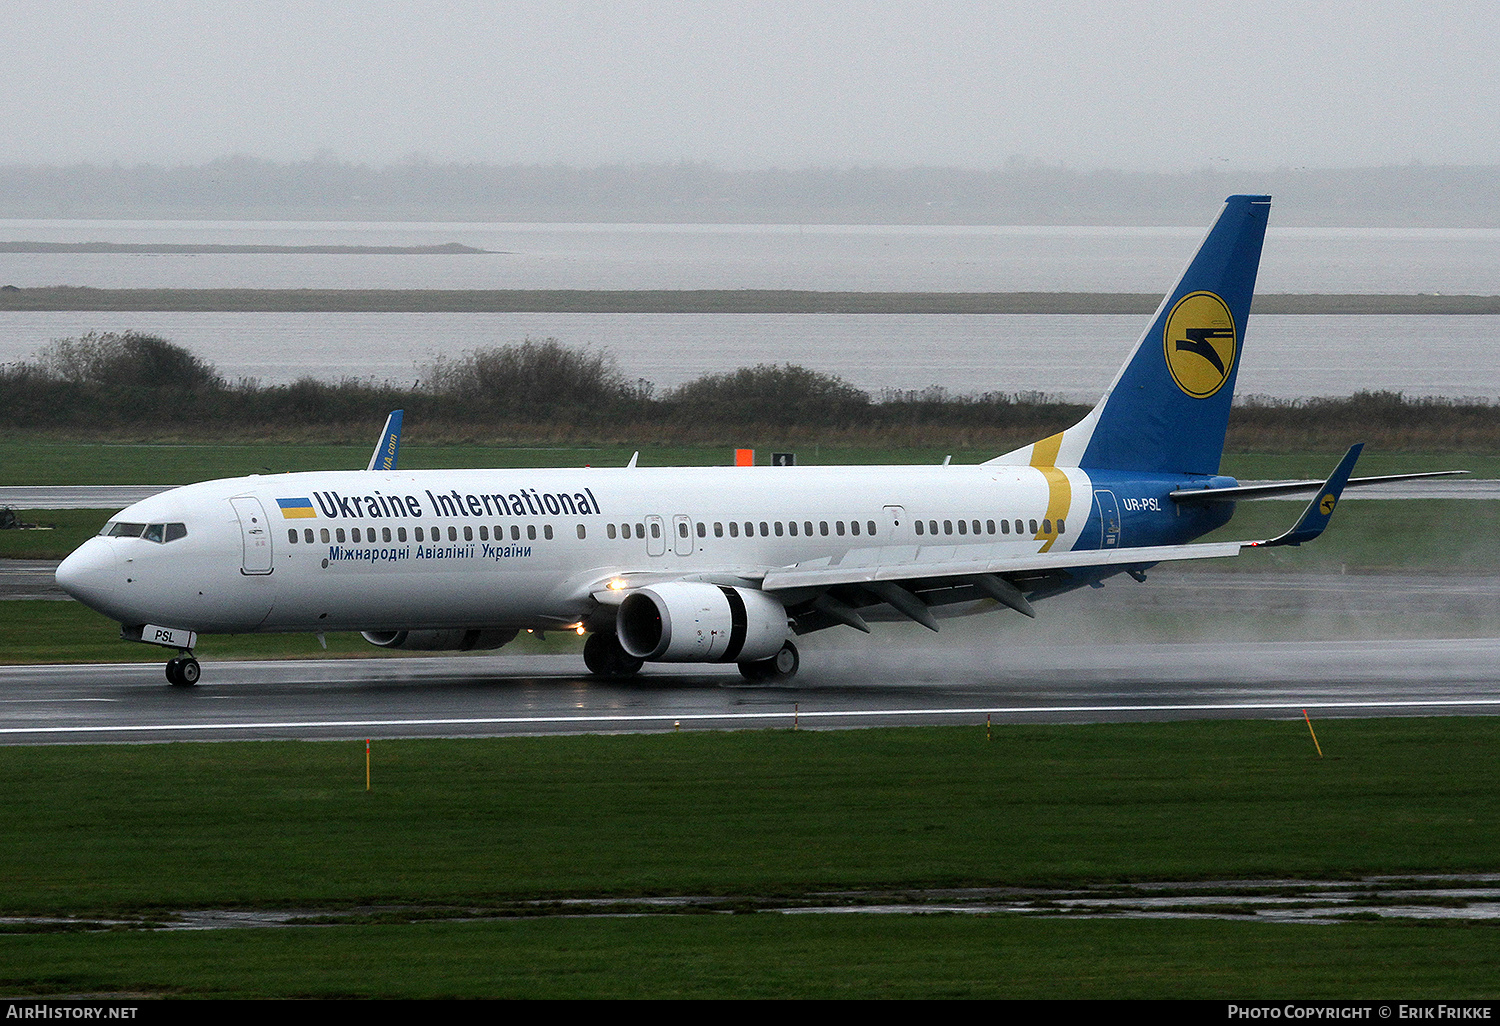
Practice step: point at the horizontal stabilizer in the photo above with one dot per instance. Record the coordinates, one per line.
(1271, 489)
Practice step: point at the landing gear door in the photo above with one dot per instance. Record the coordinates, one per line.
(1109, 518)
(255, 533)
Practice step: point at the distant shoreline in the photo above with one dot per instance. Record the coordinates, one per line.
(445, 249)
(742, 301)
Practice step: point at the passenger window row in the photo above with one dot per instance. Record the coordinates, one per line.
(838, 528)
(750, 528)
(734, 529)
(965, 527)
(433, 534)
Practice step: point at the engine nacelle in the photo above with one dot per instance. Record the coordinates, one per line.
(456, 640)
(689, 622)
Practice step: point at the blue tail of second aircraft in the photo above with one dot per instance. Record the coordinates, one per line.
(388, 449)
(1168, 407)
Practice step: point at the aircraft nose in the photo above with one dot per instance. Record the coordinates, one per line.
(90, 573)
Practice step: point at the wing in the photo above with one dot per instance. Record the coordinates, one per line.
(843, 590)
(834, 592)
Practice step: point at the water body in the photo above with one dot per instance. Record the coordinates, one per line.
(864, 258)
(1073, 356)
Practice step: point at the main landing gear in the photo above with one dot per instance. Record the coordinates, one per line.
(184, 671)
(604, 657)
(780, 667)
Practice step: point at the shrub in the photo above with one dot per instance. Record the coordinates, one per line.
(769, 394)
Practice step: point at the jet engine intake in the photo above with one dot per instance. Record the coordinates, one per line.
(691, 622)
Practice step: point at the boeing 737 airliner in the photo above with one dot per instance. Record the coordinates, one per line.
(721, 564)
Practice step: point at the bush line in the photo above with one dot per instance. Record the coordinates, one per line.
(543, 392)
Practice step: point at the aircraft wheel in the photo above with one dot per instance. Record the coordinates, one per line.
(780, 667)
(183, 673)
(604, 657)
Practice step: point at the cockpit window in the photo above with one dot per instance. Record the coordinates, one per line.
(159, 533)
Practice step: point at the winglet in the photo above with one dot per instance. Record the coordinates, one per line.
(1320, 510)
(386, 450)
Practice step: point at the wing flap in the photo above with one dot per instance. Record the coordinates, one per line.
(827, 576)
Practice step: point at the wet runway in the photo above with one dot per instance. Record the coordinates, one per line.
(77, 496)
(1199, 644)
(492, 695)
(30, 579)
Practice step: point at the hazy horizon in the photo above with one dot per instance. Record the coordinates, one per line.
(244, 188)
(1166, 86)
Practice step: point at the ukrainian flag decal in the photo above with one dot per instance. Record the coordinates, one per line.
(296, 509)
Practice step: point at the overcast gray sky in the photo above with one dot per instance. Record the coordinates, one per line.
(1162, 85)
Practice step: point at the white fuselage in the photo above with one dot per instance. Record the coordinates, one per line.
(411, 550)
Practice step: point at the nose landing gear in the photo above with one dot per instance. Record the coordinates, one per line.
(184, 671)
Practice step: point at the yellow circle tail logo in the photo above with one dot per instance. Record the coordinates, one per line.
(1326, 506)
(1200, 344)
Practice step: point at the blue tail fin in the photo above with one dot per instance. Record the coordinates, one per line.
(389, 446)
(1168, 408)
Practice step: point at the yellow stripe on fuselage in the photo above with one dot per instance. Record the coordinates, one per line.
(1059, 490)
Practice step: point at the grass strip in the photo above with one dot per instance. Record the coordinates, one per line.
(33, 460)
(289, 824)
(147, 829)
(774, 956)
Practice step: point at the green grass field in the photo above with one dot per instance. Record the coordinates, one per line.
(773, 956)
(476, 825)
(47, 461)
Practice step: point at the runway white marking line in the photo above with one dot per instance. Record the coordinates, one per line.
(785, 715)
(34, 701)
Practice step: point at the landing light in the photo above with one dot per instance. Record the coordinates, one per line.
(616, 585)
